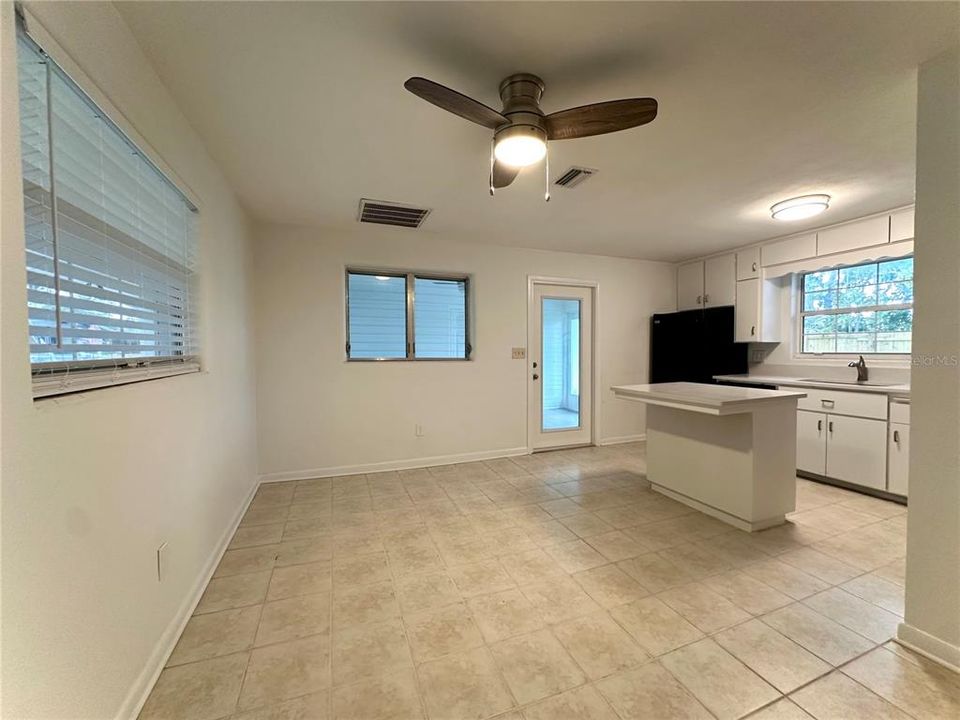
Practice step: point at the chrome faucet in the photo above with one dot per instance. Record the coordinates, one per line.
(861, 366)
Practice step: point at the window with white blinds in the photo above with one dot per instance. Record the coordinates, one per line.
(110, 243)
(396, 315)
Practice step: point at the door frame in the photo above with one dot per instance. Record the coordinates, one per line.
(594, 378)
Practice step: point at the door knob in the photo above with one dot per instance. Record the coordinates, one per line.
(536, 377)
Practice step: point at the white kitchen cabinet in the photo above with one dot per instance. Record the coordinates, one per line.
(812, 442)
(757, 312)
(707, 283)
(748, 264)
(720, 280)
(898, 458)
(901, 225)
(690, 286)
(859, 234)
(856, 450)
(798, 247)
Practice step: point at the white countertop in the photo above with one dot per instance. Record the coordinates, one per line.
(703, 398)
(894, 389)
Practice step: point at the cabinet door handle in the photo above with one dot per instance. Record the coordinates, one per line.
(896, 436)
(827, 403)
(699, 299)
(753, 329)
(819, 425)
(754, 266)
(706, 299)
(830, 426)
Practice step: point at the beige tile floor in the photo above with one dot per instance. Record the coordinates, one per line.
(550, 586)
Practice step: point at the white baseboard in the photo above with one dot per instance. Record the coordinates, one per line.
(138, 694)
(929, 646)
(392, 465)
(623, 439)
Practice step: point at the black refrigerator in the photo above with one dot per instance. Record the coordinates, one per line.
(695, 345)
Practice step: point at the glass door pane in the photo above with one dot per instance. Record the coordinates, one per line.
(560, 374)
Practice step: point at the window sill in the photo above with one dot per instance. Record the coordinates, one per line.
(60, 384)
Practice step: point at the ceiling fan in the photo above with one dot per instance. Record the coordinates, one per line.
(521, 130)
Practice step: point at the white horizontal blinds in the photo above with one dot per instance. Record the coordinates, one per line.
(377, 308)
(440, 318)
(38, 218)
(123, 238)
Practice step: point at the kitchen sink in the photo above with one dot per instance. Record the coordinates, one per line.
(851, 383)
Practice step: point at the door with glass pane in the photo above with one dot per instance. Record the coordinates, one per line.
(559, 364)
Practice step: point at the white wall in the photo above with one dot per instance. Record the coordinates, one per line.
(319, 414)
(93, 484)
(932, 620)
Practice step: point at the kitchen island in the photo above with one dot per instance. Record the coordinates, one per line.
(727, 451)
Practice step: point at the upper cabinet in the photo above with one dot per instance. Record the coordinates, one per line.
(860, 234)
(690, 286)
(748, 264)
(720, 281)
(707, 283)
(901, 225)
(799, 247)
(757, 312)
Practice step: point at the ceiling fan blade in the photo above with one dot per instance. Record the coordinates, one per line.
(503, 175)
(600, 118)
(457, 103)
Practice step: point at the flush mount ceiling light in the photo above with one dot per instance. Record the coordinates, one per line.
(801, 207)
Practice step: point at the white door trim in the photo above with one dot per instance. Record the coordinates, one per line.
(594, 357)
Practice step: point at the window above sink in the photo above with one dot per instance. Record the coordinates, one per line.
(861, 309)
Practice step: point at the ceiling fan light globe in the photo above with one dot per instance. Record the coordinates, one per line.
(800, 208)
(520, 150)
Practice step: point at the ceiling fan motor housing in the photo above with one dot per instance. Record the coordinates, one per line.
(521, 95)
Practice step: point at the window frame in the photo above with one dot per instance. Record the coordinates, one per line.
(802, 314)
(63, 377)
(410, 277)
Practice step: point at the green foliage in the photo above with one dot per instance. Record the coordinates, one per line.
(865, 290)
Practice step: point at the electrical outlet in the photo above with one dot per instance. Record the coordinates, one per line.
(519, 353)
(161, 562)
(756, 355)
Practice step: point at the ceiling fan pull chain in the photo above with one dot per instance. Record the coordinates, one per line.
(546, 173)
(493, 142)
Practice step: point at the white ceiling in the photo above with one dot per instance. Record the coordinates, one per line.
(303, 106)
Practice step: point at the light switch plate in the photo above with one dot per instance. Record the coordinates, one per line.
(518, 353)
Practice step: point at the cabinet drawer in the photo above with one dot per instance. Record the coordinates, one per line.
(899, 412)
(869, 405)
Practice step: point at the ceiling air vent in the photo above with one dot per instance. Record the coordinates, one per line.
(574, 176)
(391, 213)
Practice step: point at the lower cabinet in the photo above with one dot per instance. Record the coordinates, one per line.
(857, 450)
(846, 448)
(898, 458)
(812, 442)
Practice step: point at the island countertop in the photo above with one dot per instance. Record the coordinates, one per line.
(704, 398)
